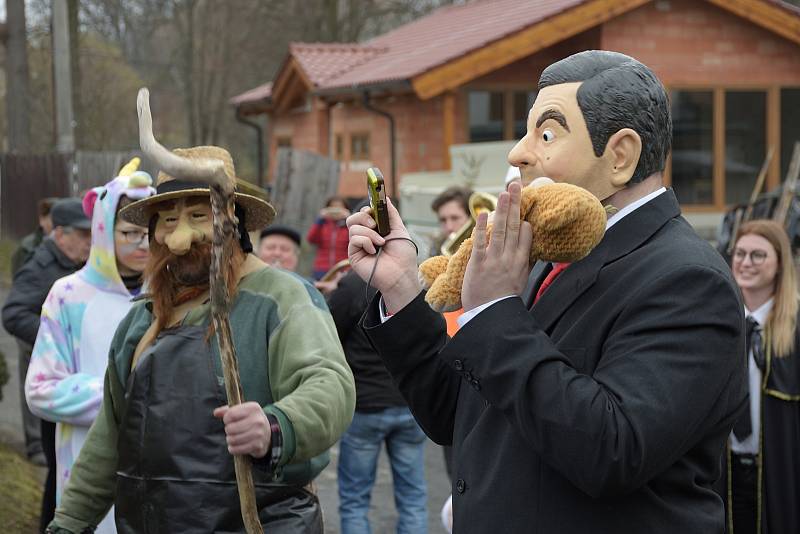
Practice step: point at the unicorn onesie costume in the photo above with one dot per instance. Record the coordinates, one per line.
(82, 311)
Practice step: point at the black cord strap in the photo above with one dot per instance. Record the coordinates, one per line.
(375, 265)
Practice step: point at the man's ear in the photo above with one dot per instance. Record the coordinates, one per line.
(623, 149)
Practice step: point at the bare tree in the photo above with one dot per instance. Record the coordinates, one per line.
(194, 55)
(18, 77)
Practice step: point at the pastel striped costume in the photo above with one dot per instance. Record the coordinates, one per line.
(65, 378)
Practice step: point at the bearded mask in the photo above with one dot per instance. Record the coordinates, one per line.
(175, 279)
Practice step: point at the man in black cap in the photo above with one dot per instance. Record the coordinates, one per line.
(30, 423)
(280, 247)
(63, 252)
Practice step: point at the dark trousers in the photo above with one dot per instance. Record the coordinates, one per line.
(30, 423)
(744, 483)
(49, 495)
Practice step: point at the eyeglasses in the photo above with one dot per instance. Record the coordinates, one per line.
(134, 237)
(757, 257)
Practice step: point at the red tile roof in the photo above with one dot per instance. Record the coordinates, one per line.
(447, 34)
(415, 48)
(258, 93)
(324, 62)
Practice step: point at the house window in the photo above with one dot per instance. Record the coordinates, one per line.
(693, 146)
(498, 115)
(339, 147)
(523, 102)
(720, 141)
(790, 126)
(359, 147)
(486, 113)
(745, 142)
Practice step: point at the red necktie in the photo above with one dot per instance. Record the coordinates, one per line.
(551, 276)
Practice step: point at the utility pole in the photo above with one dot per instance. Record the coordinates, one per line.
(62, 88)
(62, 79)
(17, 77)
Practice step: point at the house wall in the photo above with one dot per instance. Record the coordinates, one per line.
(418, 137)
(689, 42)
(526, 72)
(306, 127)
(418, 131)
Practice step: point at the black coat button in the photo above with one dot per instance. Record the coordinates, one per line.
(476, 385)
(461, 485)
(469, 376)
(458, 365)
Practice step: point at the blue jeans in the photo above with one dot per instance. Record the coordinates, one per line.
(358, 459)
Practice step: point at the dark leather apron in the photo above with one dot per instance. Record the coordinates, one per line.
(175, 473)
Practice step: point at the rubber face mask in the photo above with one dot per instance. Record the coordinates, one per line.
(557, 145)
(183, 223)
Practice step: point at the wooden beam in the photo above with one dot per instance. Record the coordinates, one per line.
(448, 125)
(508, 115)
(774, 136)
(286, 83)
(519, 45)
(765, 14)
(718, 168)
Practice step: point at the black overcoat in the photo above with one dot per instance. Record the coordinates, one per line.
(606, 408)
(778, 467)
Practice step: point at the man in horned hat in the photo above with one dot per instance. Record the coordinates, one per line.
(161, 448)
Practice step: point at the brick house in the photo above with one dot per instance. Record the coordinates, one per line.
(468, 73)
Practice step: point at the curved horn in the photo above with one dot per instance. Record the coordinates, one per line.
(211, 171)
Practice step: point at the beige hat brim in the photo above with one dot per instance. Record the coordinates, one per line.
(258, 212)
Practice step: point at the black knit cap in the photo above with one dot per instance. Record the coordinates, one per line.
(279, 229)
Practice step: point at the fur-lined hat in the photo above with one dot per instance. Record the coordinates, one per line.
(258, 212)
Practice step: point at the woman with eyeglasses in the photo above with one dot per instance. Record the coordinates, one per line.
(761, 474)
(79, 317)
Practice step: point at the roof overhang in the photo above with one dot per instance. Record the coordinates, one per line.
(765, 13)
(291, 83)
(337, 93)
(784, 21)
(505, 51)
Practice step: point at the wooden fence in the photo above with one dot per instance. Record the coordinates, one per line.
(303, 182)
(26, 178)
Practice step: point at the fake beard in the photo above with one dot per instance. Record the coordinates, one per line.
(173, 280)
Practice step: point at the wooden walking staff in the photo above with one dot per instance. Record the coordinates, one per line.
(212, 172)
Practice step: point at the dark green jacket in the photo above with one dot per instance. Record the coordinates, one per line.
(303, 379)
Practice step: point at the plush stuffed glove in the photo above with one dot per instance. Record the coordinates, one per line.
(567, 220)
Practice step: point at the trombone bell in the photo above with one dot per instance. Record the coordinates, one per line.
(478, 203)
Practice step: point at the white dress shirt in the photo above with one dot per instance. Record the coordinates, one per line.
(750, 444)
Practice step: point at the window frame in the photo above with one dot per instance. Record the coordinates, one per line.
(508, 91)
(352, 155)
(772, 138)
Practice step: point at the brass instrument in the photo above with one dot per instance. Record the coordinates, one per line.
(478, 203)
(336, 269)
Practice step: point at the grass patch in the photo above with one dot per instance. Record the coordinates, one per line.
(7, 248)
(20, 493)
(3, 374)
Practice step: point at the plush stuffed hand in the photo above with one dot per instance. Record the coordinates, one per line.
(567, 220)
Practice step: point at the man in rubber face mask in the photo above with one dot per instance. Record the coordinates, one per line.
(162, 447)
(599, 397)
